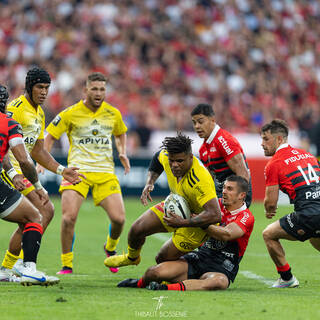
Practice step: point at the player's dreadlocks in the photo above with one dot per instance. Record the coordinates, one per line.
(34, 76)
(4, 96)
(178, 144)
(276, 126)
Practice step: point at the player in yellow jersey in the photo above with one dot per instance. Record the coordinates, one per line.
(28, 112)
(89, 125)
(188, 178)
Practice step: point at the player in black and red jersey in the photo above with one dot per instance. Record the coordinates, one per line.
(220, 152)
(216, 263)
(296, 173)
(16, 208)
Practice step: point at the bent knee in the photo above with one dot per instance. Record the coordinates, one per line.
(137, 229)
(152, 273)
(267, 234)
(118, 220)
(218, 283)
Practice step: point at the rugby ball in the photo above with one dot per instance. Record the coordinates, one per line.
(178, 205)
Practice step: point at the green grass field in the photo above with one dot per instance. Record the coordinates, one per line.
(91, 292)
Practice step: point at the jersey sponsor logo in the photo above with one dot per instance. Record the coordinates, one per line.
(101, 141)
(225, 145)
(228, 254)
(56, 120)
(94, 122)
(213, 149)
(298, 157)
(245, 218)
(313, 195)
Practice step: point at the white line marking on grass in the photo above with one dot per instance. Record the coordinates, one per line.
(251, 275)
(161, 237)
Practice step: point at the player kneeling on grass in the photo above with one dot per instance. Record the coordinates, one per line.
(14, 207)
(216, 263)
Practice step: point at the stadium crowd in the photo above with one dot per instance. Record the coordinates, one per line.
(255, 59)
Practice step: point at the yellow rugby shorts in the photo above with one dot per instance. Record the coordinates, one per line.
(102, 185)
(184, 239)
(28, 184)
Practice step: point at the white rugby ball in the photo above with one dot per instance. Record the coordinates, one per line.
(178, 205)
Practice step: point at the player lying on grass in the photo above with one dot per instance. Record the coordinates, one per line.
(216, 263)
(186, 177)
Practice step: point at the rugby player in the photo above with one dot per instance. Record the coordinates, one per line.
(187, 177)
(14, 207)
(297, 173)
(90, 125)
(220, 152)
(216, 263)
(27, 111)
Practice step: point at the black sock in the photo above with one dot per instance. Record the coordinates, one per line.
(285, 275)
(31, 240)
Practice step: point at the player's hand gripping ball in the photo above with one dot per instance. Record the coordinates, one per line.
(178, 205)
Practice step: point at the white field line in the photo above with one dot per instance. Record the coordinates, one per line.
(162, 236)
(251, 275)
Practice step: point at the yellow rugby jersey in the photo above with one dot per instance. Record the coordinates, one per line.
(90, 135)
(32, 121)
(196, 186)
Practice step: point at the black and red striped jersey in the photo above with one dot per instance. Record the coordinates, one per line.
(9, 129)
(234, 249)
(219, 148)
(297, 173)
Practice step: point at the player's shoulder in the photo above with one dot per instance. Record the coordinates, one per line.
(199, 171)
(110, 109)
(17, 103)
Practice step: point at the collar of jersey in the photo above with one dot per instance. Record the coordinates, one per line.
(213, 133)
(88, 109)
(284, 145)
(244, 207)
(26, 101)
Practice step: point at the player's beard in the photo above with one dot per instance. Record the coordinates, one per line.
(95, 103)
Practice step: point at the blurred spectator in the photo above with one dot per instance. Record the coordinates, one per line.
(254, 60)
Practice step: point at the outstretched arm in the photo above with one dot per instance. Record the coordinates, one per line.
(45, 159)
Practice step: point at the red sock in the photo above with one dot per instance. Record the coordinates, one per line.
(284, 268)
(179, 286)
(141, 284)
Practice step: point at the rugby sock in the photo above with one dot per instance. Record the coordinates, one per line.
(133, 254)
(111, 244)
(31, 239)
(66, 259)
(141, 284)
(179, 286)
(285, 272)
(9, 260)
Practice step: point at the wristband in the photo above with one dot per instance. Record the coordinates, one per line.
(38, 185)
(11, 173)
(60, 169)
